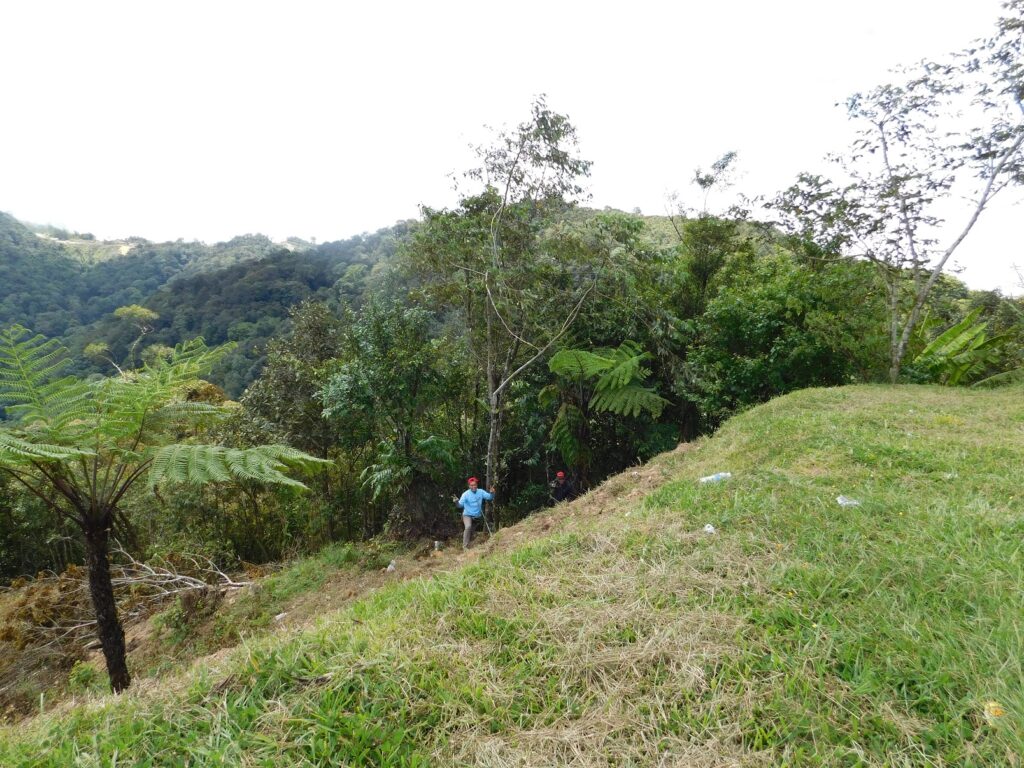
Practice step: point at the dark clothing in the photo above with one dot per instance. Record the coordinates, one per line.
(565, 491)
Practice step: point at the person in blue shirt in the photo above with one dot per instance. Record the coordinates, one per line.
(471, 502)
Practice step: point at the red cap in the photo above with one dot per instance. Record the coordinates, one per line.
(559, 474)
(472, 480)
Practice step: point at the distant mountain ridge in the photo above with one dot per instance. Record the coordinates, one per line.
(53, 285)
(68, 285)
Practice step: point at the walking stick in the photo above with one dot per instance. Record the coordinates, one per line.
(486, 524)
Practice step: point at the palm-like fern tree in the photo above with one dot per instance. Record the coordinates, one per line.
(80, 446)
(601, 381)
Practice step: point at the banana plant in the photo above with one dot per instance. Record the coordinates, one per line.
(962, 352)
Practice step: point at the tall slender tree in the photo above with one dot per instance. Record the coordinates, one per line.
(499, 257)
(946, 128)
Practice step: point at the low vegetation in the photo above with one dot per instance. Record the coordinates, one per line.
(616, 631)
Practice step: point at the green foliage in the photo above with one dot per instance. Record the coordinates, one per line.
(962, 352)
(136, 314)
(504, 263)
(57, 286)
(566, 434)
(618, 373)
(396, 395)
(32, 538)
(590, 383)
(201, 464)
(85, 678)
(779, 326)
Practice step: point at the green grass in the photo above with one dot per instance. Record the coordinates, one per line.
(208, 626)
(801, 634)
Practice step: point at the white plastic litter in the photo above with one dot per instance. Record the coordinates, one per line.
(391, 567)
(280, 616)
(709, 528)
(846, 501)
(717, 477)
(437, 546)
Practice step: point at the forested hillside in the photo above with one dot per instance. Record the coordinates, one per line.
(38, 278)
(57, 285)
(240, 290)
(178, 416)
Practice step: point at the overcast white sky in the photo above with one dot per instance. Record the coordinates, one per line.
(203, 120)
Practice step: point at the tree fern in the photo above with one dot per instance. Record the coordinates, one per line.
(201, 464)
(617, 373)
(615, 379)
(97, 439)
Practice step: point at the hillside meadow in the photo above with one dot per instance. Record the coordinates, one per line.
(616, 631)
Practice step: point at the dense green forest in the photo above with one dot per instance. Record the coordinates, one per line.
(365, 351)
(56, 285)
(240, 290)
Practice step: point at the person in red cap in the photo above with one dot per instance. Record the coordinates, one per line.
(472, 504)
(562, 489)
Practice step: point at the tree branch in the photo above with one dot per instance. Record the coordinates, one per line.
(565, 327)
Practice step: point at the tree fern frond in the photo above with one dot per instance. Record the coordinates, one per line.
(631, 400)
(28, 367)
(199, 464)
(186, 409)
(548, 396)
(381, 477)
(565, 431)
(190, 360)
(579, 363)
(15, 451)
(627, 367)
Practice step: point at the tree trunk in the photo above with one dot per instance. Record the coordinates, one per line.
(895, 358)
(326, 508)
(493, 441)
(108, 626)
(494, 414)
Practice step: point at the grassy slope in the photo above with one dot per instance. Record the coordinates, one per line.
(802, 633)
